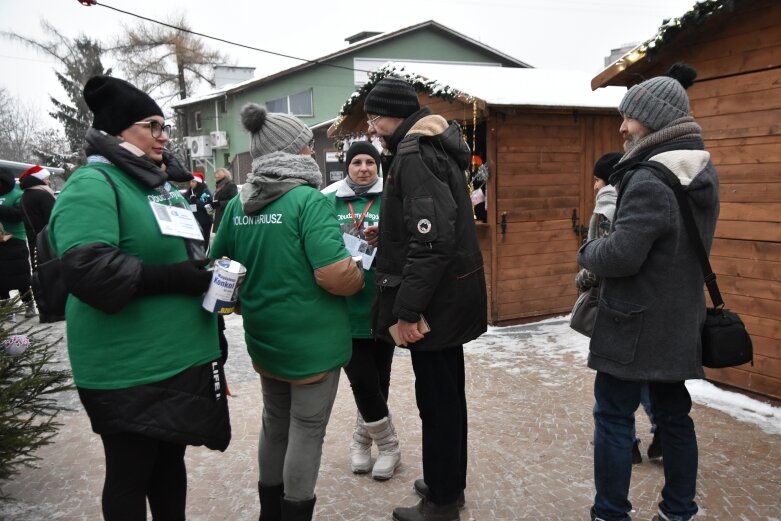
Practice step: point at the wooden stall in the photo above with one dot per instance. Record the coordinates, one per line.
(539, 132)
(736, 48)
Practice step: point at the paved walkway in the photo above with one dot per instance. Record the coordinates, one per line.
(530, 401)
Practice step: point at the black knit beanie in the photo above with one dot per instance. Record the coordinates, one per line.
(358, 148)
(116, 104)
(392, 97)
(603, 168)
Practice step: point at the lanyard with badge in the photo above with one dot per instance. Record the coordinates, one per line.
(357, 245)
(359, 223)
(176, 220)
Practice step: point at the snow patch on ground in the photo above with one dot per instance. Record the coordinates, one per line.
(520, 349)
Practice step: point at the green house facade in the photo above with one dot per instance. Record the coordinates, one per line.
(315, 91)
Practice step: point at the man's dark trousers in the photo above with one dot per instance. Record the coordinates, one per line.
(441, 399)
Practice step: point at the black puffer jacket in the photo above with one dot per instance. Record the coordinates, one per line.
(429, 261)
(37, 205)
(223, 193)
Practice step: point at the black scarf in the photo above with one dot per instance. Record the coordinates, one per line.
(144, 170)
(393, 140)
(139, 167)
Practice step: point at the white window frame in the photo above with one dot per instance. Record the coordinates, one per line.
(287, 100)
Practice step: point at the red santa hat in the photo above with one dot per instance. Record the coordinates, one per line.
(198, 177)
(36, 171)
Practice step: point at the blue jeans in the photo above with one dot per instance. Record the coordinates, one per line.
(614, 423)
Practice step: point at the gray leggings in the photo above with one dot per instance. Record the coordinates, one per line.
(292, 433)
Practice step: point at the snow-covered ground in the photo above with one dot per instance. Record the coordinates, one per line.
(553, 340)
(542, 347)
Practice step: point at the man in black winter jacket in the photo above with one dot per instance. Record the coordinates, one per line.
(429, 267)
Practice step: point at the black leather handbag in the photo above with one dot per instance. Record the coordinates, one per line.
(725, 341)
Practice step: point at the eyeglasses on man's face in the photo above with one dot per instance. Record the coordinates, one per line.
(155, 127)
(373, 121)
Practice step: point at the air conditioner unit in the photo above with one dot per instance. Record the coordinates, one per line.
(199, 146)
(219, 139)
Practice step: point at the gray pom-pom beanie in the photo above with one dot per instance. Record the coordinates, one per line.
(658, 101)
(273, 132)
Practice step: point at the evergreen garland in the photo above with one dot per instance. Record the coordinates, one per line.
(28, 384)
(672, 27)
(430, 87)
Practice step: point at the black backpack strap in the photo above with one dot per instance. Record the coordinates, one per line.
(670, 179)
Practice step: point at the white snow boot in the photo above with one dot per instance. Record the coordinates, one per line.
(360, 448)
(384, 435)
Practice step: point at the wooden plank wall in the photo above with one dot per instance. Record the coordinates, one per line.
(741, 119)
(542, 162)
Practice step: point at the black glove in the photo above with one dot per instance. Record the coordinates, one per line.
(188, 277)
(586, 280)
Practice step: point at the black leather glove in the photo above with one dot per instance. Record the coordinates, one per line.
(188, 277)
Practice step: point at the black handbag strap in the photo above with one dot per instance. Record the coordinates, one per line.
(669, 178)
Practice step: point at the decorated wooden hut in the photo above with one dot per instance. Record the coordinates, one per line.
(537, 134)
(736, 47)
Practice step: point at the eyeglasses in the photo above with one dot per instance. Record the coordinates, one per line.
(373, 121)
(155, 127)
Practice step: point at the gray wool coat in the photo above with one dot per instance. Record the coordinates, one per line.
(652, 304)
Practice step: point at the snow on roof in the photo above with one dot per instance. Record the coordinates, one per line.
(518, 86)
(212, 94)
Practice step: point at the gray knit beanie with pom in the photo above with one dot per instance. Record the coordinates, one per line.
(657, 102)
(273, 132)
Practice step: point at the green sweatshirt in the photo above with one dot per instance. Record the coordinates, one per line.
(359, 305)
(11, 199)
(293, 327)
(152, 338)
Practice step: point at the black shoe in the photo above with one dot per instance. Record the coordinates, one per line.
(425, 510)
(422, 490)
(655, 449)
(636, 456)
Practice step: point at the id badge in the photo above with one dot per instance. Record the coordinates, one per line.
(175, 221)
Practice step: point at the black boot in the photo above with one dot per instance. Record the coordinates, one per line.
(270, 502)
(422, 490)
(636, 456)
(298, 510)
(425, 510)
(655, 448)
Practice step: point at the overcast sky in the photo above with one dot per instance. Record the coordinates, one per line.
(555, 34)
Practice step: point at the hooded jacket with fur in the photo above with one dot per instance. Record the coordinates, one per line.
(428, 259)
